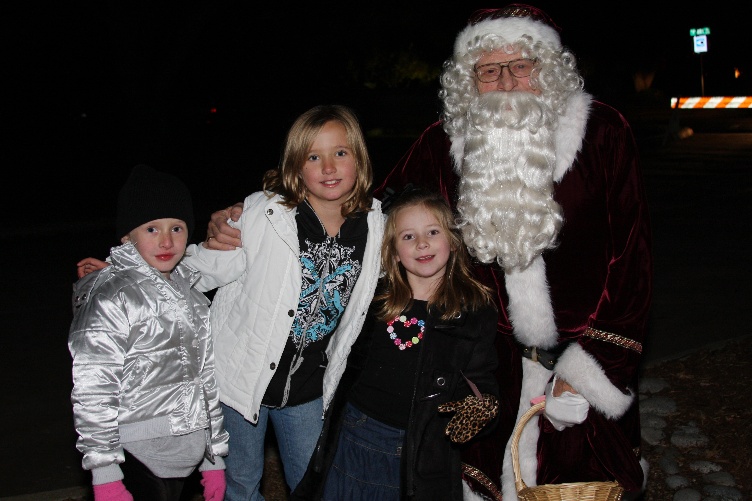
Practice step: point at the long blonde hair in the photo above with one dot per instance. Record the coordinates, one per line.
(458, 290)
(286, 180)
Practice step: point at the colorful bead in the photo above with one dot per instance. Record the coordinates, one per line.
(407, 323)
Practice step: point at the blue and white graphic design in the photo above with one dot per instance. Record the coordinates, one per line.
(329, 275)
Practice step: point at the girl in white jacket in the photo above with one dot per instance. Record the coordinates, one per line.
(292, 299)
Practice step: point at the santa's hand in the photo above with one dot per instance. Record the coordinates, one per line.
(568, 409)
(471, 415)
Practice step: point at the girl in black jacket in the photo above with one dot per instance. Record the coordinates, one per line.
(420, 378)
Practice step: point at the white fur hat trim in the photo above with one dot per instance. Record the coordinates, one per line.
(511, 29)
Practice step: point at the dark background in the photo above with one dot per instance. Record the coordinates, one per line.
(90, 89)
(207, 90)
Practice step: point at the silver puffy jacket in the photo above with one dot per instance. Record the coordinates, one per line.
(143, 359)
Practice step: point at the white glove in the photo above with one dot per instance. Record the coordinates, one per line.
(565, 410)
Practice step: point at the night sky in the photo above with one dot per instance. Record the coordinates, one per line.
(98, 86)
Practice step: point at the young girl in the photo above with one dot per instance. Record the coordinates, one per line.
(292, 299)
(145, 399)
(425, 352)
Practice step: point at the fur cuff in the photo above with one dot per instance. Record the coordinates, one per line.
(578, 368)
(530, 308)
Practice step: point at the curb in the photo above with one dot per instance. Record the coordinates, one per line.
(58, 495)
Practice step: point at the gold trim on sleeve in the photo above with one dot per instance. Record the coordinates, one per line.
(613, 338)
(481, 478)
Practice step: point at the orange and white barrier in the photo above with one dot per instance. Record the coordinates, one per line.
(711, 102)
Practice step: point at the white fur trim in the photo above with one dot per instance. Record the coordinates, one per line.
(530, 309)
(534, 379)
(510, 28)
(581, 370)
(645, 470)
(470, 495)
(457, 150)
(570, 132)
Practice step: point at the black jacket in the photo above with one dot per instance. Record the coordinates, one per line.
(431, 467)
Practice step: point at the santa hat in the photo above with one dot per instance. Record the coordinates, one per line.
(511, 23)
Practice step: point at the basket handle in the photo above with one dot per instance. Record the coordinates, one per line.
(519, 484)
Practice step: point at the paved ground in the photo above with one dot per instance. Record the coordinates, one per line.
(699, 191)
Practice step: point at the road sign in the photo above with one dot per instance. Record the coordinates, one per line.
(701, 43)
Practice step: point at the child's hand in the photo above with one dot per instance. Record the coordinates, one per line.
(214, 484)
(471, 415)
(89, 264)
(112, 491)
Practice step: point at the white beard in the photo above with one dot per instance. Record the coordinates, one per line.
(506, 208)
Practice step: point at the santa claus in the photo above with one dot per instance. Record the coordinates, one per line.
(547, 186)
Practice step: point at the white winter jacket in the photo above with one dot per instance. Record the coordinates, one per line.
(259, 288)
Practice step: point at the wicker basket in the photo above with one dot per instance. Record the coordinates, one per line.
(576, 491)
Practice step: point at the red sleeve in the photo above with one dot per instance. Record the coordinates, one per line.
(426, 164)
(601, 273)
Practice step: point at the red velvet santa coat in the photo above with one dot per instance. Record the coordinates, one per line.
(597, 288)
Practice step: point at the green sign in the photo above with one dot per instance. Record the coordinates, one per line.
(699, 31)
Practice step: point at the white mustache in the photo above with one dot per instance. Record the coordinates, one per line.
(515, 110)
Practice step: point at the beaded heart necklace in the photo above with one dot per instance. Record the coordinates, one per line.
(407, 323)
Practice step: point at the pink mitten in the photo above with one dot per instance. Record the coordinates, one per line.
(112, 491)
(214, 485)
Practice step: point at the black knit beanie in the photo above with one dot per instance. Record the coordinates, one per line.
(148, 195)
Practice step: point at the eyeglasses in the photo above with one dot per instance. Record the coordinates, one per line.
(491, 72)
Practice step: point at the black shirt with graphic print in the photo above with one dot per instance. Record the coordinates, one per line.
(331, 266)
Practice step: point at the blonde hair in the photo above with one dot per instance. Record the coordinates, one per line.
(286, 180)
(458, 289)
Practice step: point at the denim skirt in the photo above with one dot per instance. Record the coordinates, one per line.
(367, 462)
